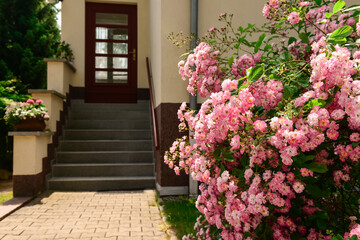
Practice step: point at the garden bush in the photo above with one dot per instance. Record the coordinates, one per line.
(277, 140)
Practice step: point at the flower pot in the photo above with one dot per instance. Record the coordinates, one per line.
(30, 124)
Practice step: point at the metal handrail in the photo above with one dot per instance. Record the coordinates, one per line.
(156, 144)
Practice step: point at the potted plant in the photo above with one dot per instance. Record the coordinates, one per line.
(27, 116)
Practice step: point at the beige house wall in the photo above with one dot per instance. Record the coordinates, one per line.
(73, 32)
(156, 19)
(174, 16)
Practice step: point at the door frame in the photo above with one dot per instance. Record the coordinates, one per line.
(110, 92)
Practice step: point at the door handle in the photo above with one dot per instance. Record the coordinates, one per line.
(134, 54)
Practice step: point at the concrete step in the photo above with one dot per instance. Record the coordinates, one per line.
(108, 124)
(80, 103)
(106, 134)
(110, 115)
(101, 183)
(100, 107)
(105, 157)
(105, 145)
(103, 169)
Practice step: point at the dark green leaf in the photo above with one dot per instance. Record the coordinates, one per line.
(321, 224)
(318, 2)
(222, 167)
(317, 167)
(354, 237)
(338, 6)
(291, 40)
(259, 42)
(337, 237)
(304, 37)
(289, 91)
(267, 47)
(303, 82)
(230, 61)
(245, 160)
(354, 145)
(255, 73)
(342, 32)
(315, 191)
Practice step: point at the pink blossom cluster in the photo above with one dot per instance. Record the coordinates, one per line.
(239, 66)
(202, 71)
(256, 166)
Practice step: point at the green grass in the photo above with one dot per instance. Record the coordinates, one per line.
(5, 196)
(181, 215)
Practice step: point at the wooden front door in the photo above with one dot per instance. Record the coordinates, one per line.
(110, 53)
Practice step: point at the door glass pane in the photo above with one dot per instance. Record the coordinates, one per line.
(111, 48)
(111, 33)
(111, 62)
(111, 77)
(112, 19)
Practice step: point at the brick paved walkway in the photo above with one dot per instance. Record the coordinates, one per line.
(86, 215)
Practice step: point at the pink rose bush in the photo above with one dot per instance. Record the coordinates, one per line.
(277, 142)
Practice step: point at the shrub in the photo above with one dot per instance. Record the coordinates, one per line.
(277, 142)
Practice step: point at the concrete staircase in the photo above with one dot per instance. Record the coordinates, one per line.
(105, 147)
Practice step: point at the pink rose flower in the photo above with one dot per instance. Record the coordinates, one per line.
(298, 187)
(293, 18)
(30, 101)
(260, 125)
(303, 4)
(39, 101)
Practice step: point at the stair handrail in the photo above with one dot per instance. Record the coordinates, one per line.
(150, 79)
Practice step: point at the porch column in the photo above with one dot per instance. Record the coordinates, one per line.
(29, 150)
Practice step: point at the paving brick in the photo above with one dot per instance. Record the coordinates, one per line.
(88, 215)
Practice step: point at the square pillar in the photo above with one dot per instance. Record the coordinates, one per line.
(29, 150)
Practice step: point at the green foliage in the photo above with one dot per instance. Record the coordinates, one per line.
(28, 34)
(10, 91)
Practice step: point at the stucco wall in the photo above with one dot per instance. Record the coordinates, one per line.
(73, 32)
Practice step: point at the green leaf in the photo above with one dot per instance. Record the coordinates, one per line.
(259, 42)
(244, 86)
(255, 73)
(318, 2)
(304, 37)
(289, 91)
(222, 167)
(338, 6)
(291, 40)
(230, 61)
(338, 237)
(354, 145)
(337, 41)
(303, 82)
(316, 192)
(314, 103)
(354, 237)
(342, 32)
(317, 167)
(245, 160)
(267, 47)
(321, 224)
(329, 15)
